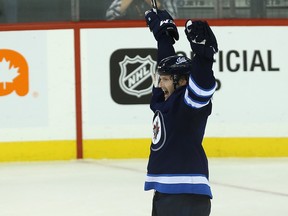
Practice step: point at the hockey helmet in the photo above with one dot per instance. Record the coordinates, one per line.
(176, 66)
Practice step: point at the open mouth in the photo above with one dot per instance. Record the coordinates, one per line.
(166, 93)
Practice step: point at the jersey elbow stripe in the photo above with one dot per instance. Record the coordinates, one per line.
(193, 103)
(197, 98)
(198, 91)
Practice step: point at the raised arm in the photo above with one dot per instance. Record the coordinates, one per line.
(204, 45)
(164, 30)
(201, 83)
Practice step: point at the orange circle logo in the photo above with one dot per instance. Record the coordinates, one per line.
(13, 73)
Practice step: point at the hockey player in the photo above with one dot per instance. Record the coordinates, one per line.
(181, 101)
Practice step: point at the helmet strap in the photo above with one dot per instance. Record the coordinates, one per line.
(175, 79)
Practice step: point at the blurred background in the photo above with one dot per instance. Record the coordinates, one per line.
(19, 11)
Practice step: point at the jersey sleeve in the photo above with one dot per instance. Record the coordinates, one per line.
(165, 47)
(201, 84)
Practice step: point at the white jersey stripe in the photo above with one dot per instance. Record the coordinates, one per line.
(178, 179)
(200, 92)
(195, 104)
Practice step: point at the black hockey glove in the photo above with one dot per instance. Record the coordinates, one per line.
(161, 23)
(202, 40)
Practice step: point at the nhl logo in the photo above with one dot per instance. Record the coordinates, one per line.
(135, 78)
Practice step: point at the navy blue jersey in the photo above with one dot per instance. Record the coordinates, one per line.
(177, 161)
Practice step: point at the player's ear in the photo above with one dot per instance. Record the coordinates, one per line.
(182, 81)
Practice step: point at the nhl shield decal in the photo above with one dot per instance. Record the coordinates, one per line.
(131, 75)
(134, 71)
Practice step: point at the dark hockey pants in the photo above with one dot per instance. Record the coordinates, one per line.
(180, 205)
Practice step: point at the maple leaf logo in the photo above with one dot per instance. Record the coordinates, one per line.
(7, 73)
(14, 73)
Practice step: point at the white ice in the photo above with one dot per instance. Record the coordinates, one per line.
(241, 187)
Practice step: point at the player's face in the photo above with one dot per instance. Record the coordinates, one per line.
(167, 86)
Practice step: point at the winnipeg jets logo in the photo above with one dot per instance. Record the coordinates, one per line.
(134, 72)
(156, 129)
(159, 132)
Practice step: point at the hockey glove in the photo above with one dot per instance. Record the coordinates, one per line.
(161, 23)
(202, 40)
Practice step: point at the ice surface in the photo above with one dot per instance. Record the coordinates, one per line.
(241, 187)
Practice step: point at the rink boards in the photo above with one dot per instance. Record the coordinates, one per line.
(72, 93)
